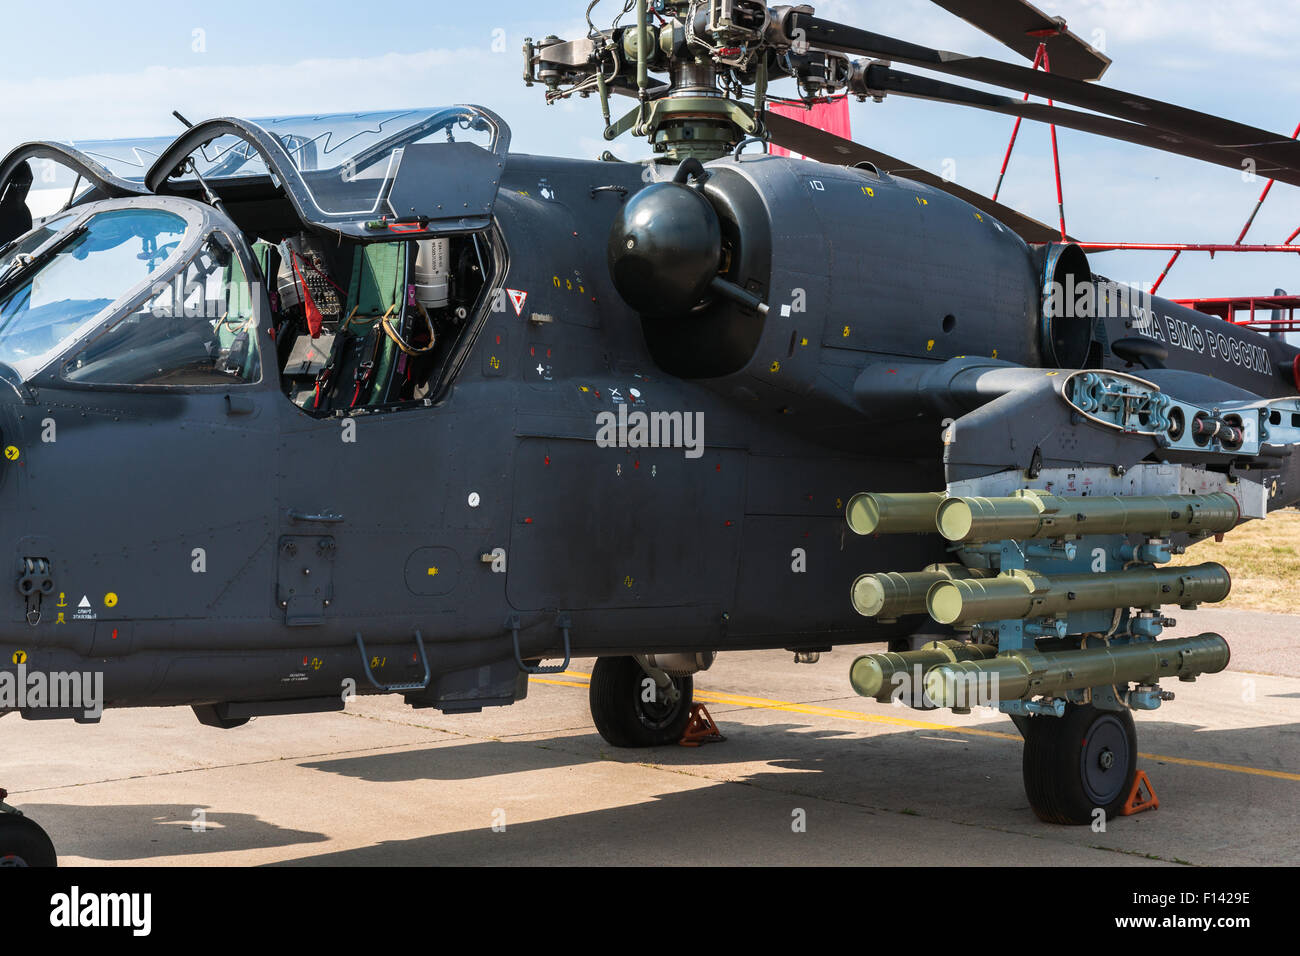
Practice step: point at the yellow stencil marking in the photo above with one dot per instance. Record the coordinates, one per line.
(110, 599)
(12, 452)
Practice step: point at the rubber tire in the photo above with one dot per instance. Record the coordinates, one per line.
(621, 716)
(1053, 764)
(24, 843)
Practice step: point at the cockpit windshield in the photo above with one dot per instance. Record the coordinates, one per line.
(51, 297)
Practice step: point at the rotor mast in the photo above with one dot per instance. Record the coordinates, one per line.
(715, 58)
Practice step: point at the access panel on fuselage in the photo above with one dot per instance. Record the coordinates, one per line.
(801, 559)
(598, 527)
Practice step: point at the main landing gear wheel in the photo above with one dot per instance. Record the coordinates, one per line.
(629, 712)
(24, 843)
(1078, 763)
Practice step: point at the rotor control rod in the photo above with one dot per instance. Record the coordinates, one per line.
(1036, 514)
(895, 594)
(1021, 674)
(871, 513)
(1015, 595)
(874, 675)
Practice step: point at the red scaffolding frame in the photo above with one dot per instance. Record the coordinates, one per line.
(1226, 308)
(1040, 60)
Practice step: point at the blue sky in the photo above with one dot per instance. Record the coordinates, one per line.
(91, 70)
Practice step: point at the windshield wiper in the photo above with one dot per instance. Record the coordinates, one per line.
(21, 265)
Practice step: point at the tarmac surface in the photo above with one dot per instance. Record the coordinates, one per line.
(809, 774)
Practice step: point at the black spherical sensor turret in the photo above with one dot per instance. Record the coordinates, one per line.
(664, 250)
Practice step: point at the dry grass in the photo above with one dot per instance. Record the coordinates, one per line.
(1264, 560)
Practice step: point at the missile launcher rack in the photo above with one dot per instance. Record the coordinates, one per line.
(1080, 575)
(1061, 601)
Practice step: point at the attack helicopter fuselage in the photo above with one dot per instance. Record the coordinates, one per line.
(567, 470)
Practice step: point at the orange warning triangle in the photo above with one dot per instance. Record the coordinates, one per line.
(700, 729)
(1136, 802)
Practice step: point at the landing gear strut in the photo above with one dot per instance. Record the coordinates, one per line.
(631, 709)
(1079, 763)
(22, 841)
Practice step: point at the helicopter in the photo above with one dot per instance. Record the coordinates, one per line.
(303, 408)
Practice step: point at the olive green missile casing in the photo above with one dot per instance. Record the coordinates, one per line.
(1015, 595)
(1020, 674)
(1036, 514)
(871, 513)
(894, 594)
(873, 674)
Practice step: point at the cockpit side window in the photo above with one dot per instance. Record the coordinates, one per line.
(198, 328)
(47, 300)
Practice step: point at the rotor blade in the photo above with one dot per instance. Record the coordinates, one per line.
(878, 78)
(1022, 26)
(1263, 147)
(828, 148)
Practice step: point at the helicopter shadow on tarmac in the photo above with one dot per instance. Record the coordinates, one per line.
(733, 802)
(108, 833)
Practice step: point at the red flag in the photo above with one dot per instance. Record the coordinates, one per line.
(832, 117)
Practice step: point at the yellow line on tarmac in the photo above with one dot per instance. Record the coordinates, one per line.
(558, 683)
(1234, 768)
(762, 703)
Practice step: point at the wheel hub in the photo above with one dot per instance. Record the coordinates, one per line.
(659, 711)
(1104, 757)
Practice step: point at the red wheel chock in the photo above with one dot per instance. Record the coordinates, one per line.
(1136, 802)
(700, 728)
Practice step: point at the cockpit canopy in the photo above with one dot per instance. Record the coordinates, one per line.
(360, 175)
(165, 262)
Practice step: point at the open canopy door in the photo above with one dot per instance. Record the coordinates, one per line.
(367, 177)
(39, 179)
